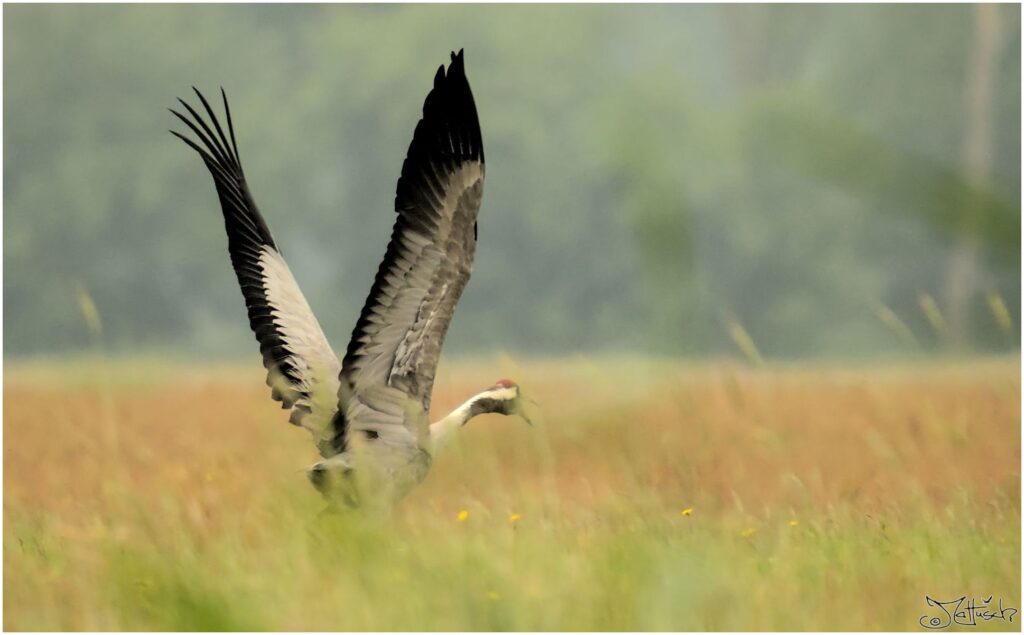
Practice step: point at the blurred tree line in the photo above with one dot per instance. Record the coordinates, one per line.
(832, 180)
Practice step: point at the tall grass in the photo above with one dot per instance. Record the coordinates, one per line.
(173, 498)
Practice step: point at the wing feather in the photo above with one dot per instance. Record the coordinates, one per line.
(389, 367)
(302, 370)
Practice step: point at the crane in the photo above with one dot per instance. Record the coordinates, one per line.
(368, 414)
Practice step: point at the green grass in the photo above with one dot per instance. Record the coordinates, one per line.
(821, 501)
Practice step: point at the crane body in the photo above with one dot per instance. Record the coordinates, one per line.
(368, 413)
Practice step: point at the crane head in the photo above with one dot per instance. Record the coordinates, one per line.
(508, 399)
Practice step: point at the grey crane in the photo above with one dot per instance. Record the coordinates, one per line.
(369, 414)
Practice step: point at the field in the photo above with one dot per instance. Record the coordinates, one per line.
(155, 496)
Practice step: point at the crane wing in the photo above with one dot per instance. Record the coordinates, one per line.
(302, 370)
(392, 356)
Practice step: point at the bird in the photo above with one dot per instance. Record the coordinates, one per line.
(368, 413)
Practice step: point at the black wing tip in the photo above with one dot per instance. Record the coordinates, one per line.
(217, 145)
(457, 67)
(447, 134)
(456, 70)
(458, 60)
(450, 108)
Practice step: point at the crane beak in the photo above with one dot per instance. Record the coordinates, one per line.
(529, 410)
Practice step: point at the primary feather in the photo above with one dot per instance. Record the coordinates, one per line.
(301, 367)
(393, 353)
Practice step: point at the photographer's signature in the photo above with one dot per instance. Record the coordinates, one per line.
(964, 612)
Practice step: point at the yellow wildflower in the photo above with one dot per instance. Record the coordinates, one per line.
(687, 511)
(793, 523)
(514, 517)
(463, 515)
(748, 532)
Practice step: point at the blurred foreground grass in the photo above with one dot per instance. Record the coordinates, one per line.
(156, 496)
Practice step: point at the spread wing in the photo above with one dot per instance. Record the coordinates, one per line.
(392, 356)
(302, 370)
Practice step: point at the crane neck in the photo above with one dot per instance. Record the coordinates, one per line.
(442, 432)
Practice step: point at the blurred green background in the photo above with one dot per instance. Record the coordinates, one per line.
(825, 181)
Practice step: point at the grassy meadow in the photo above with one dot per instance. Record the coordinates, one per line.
(149, 495)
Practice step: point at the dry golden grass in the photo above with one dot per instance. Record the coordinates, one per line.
(157, 496)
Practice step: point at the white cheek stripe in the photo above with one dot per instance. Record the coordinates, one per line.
(502, 394)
